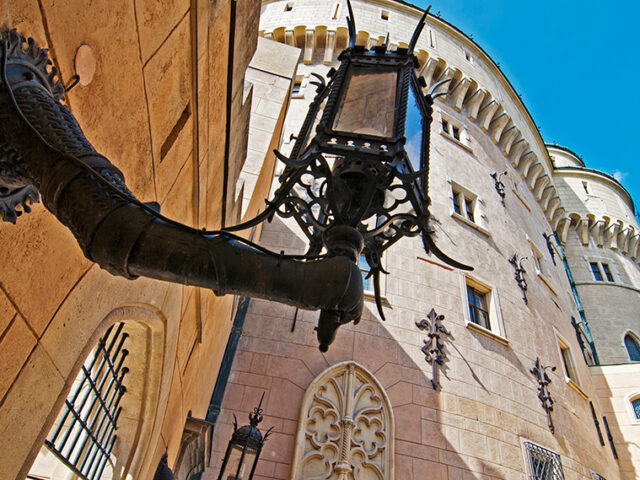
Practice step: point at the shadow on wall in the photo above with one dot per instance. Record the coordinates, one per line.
(443, 433)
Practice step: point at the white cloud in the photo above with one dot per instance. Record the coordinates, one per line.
(619, 176)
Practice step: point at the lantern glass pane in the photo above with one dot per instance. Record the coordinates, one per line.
(414, 131)
(368, 105)
(235, 457)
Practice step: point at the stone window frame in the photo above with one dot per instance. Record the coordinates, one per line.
(457, 191)
(527, 459)
(563, 345)
(537, 257)
(601, 262)
(634, 337)
(454, 131)
(497, 331)
(629, 399)
(300, 81)
(385, 15)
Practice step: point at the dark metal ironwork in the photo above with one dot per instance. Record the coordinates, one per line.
(596, 423)
(540, 371)
(163, 472)
(499, 185)
(580, 336)
(42, 145)
(433, 348)
(351, 187)
(92, 410)
(243, 451)
(349, 183)
(519, 275)
(549, 239)
(543, 463)
(610, 437)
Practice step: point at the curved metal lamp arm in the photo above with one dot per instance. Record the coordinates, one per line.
(41, 144)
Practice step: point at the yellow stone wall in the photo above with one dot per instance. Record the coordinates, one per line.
(156, 106)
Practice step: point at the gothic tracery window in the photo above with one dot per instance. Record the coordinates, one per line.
(346, 428)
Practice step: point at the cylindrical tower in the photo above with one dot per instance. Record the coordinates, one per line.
(455, 383)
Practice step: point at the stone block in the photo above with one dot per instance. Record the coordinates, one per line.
(15, 347)
(7, 312)
(408, 423)
(285, 399)
(156, 20)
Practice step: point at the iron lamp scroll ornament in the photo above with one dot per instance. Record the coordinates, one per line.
(519, 275)
(356, 187)
(356, 180)
(540, 371)
(241, 458)
(499, 185)
(433, 348)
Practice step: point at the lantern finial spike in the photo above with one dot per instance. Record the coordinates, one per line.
(418, 31)
(352, 26)
(255, 417)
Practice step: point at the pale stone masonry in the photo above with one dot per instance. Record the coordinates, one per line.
(487, 408)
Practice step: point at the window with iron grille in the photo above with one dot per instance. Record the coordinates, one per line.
(542, 464)
(85, 431)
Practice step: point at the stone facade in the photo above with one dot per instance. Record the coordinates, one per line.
(480, 421)
(163, 95)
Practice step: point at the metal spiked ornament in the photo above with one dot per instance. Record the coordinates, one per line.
(357, 178)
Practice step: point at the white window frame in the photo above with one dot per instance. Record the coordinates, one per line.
(298, 80)
(448, 130)
(458, 191)
(496, 322)
(576, 383)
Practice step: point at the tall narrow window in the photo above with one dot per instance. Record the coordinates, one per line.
(607, 272)
(595, 269)
(364, 269)
(478, 311)
(567, 361)
(636, 408)
(633, 349)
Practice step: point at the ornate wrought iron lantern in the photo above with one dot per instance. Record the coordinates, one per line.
(356, 180)
(244, 448)
(519, 275)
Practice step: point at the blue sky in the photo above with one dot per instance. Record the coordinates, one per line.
(575, 63)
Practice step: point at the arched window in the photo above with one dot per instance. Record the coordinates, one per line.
(632, 347)
(636, 407)
(346, 425)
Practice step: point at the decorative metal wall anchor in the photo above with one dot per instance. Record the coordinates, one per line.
(499, 185)
(540, 371)
(519, 275)
(549, 239)
(433, 348)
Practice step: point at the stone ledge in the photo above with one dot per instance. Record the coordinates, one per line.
(487, 333)
(482, 230)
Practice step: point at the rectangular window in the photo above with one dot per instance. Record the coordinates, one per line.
(607, 272)
(384, 15)
(455, 131)
(445, 126)
(567, 361)
(478, 311)
(456, 203)
(364, 269)
(595, 269)
(468, 204)
(542, 464)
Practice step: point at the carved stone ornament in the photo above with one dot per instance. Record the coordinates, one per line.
(346, 428)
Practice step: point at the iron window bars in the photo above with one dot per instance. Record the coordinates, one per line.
(543, 463)
(85, 434)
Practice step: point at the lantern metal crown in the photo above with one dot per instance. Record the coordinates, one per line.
(357, 178)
